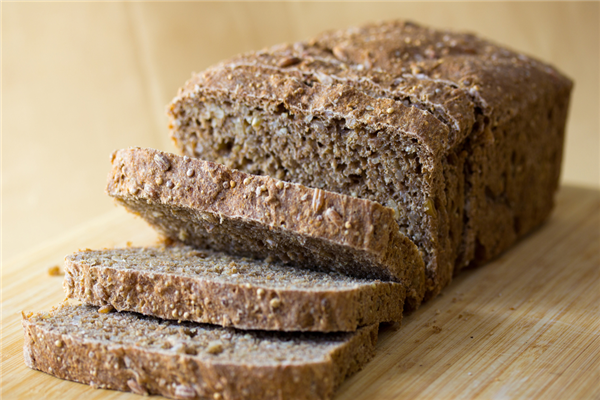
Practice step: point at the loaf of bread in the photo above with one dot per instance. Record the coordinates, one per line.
(461, 137)
(182, 283)
(210, 206)
(128, 352)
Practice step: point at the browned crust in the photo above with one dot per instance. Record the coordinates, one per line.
(497, 79)
(243, 306)
(124, 367)
(208, 205)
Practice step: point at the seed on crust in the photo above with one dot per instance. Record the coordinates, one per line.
(288, 62)
(318, 200)
(184, 392)
(333, 216)
(162, 162)
(137, 388)
(150, 190)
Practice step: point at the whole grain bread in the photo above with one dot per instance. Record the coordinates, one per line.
(182, 283)
(133, 353)
(463, 138)
(210, 206)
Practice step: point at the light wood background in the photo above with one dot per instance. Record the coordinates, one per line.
(80, 80)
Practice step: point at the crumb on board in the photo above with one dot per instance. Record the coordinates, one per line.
(436, 329)
(54, 270)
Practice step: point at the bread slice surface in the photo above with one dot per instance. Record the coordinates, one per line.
(129, 352)
(207, 205)
(182, 283)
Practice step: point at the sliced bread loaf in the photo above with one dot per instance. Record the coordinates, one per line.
(181, 283)
(129, 352)
(208, 205)
(462, 137)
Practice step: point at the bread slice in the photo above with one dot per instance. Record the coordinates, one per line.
(208, 205)
(461, 136)
(129, 352)
(181, 283)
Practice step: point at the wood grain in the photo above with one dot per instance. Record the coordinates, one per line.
(524, 326)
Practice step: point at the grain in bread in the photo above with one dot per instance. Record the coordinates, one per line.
(133, 353)
(182, 283)
(210, 206)
(463, 138)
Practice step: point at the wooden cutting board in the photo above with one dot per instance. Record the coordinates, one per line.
(524, 326)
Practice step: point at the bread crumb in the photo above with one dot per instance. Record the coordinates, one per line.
(436, 329)
(275, 303)
(54, 271)
(106, 309)
(260, 189)
(214, 347)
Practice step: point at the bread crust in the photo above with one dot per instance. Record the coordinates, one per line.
(207, 205)
(162, 282)
(87, 357)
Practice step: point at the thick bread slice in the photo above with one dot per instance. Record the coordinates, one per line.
(179, 282)
(210, 206)
(128, 352)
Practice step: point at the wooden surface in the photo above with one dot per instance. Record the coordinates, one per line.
(525, 326)
(81, 79)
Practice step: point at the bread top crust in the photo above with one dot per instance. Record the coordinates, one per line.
(499, 79)
(361, 73)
